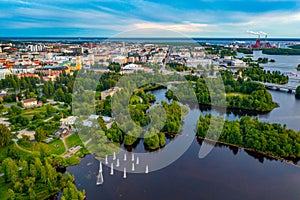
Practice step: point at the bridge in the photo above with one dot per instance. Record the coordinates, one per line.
(278, 86)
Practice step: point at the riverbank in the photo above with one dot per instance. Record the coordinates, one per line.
(266, 155)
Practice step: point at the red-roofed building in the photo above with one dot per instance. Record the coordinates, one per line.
(28, 103)
(27, 75)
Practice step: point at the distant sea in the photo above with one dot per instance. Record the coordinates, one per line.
(147, 40)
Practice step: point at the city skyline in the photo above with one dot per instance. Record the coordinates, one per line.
(106, 18)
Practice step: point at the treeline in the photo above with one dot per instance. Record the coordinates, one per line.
(281, 51)
(297, 46)
(245, 50)
(271, 139)
(108, 80)
(37, 179)
(177, 66)
(130, 132)
(32, 175)
(258, 74)
(246, 94)
(222, 51)
(12, 81)
(229, 93)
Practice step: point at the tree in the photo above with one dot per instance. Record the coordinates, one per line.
(15, 110)
(297, 95)
(25, 140)
(59, 95)
(32, 195)
(10, 169)
(40, 134)
(5, 135)
(50, 109)
(12, 152)
(11, 194)
(71, 192)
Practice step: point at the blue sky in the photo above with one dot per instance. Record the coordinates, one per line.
(192, 18)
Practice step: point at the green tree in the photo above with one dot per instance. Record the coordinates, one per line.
(40, 134)
(31, 193)
(59, 95)
(297, 95)
(71, 192)
(10, 169)
(11, 194)
(5, 135)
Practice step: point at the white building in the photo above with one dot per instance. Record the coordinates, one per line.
(132, 67)
(68, 121)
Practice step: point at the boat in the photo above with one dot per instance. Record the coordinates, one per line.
(100, 179)
(147, 169)
(124, 175)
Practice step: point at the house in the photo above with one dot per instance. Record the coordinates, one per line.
(62, 132)
(4, 72)
(69, 121)
(28, 103)
(107, 119)
(93, 117)
(109, 92)
(39, 103)
(133, 67)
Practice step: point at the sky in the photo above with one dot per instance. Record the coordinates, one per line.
(112, 18)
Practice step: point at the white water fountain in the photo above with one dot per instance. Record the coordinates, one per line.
(118, 163)
(100, 175)
(132, 157)
(106, 160)
(124, 174)
(132, 168)
(100, 167)
(112, 169)
(125, 157)
(137, 160)
(147, 169)
(100, 179)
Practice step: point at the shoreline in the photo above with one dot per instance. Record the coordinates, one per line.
(251, 150)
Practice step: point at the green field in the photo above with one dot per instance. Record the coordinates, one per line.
(32, 111)
(232, 94)
(56, 147)
(73, 140)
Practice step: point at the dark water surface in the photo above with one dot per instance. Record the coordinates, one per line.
(226, 173)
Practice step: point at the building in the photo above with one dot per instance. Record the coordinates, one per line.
(62, 132)
(69, 121)
(28, 75)
(133, 67)
(109, 92)
(4, 72)
(50, 70)
(29, 103)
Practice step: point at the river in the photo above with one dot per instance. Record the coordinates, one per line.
(225, 173)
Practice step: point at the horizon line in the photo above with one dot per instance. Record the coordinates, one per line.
(106, 37)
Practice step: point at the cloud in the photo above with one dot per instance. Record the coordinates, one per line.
(118, 15)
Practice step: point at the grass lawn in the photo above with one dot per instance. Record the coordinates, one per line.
(231, 94)
(32, 111)
(73, 140)
(56, 147)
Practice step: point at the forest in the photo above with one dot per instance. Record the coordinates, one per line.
(272, 139)
(228, 92)
(258, 74)
(32, 175)
(281, 51)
